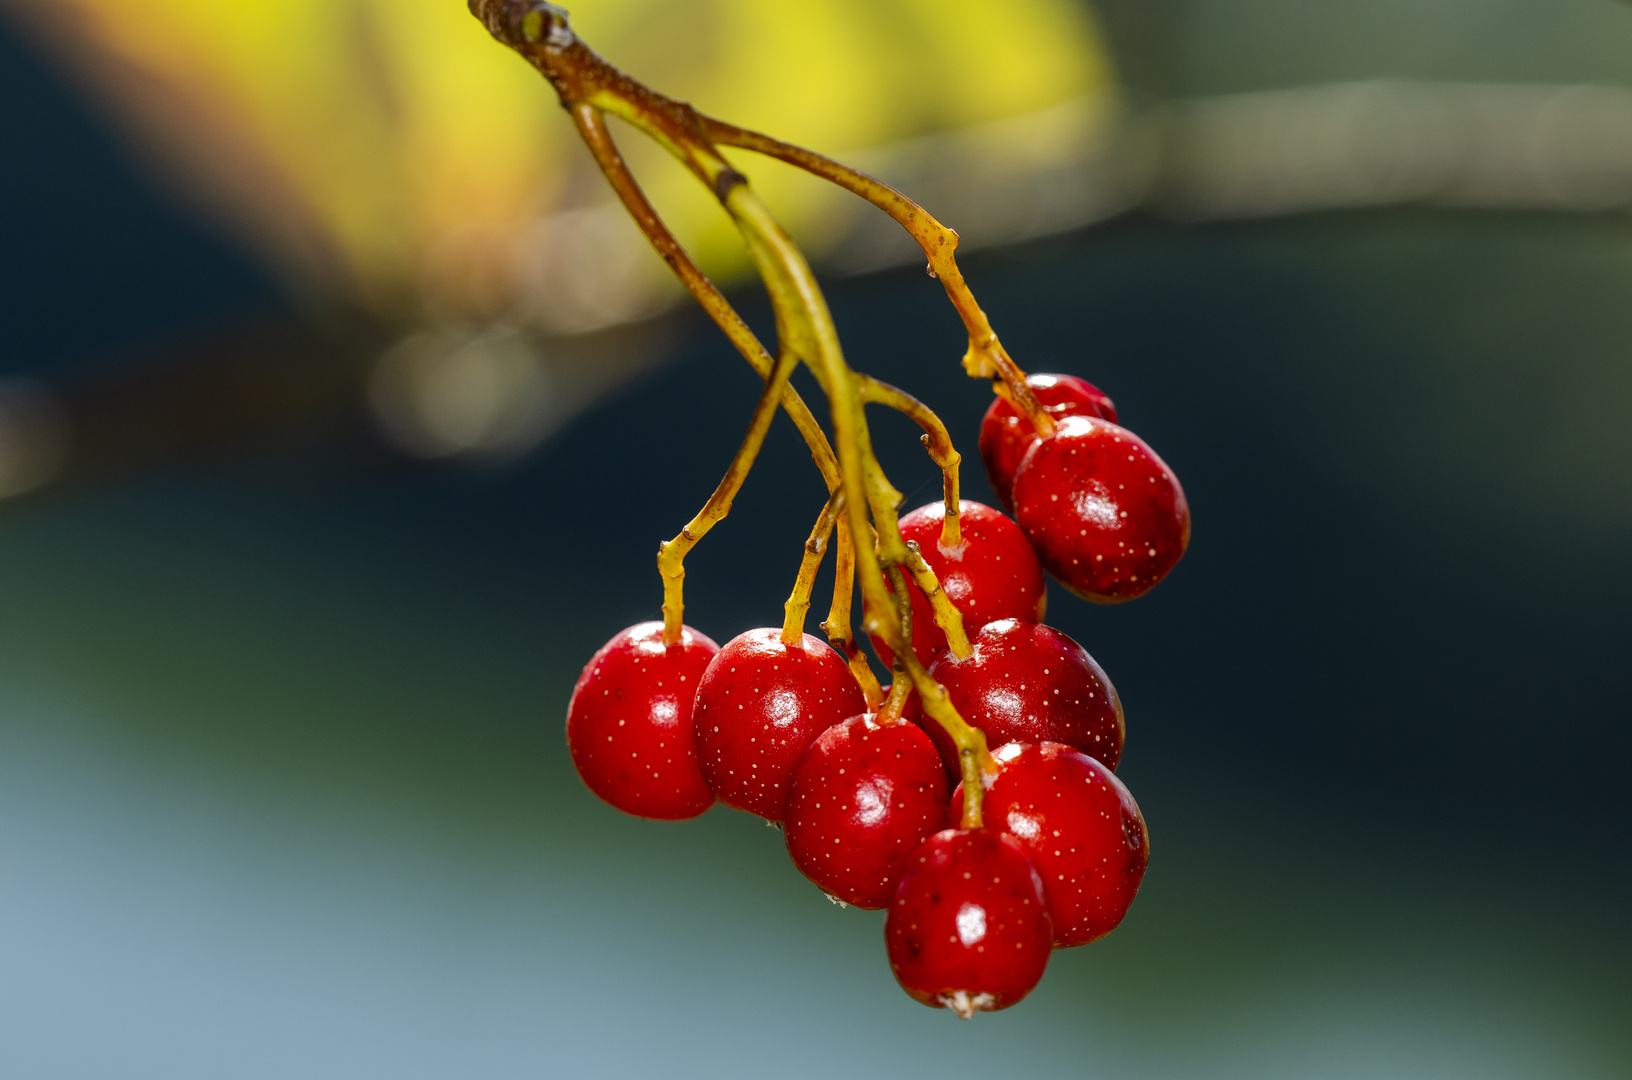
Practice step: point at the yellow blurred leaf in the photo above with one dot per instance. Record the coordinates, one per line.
(375, 145)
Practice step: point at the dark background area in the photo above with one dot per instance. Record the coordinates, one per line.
(1377, 717)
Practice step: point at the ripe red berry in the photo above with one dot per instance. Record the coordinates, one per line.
(968, 929)
(993, 574)
(1080, 826)
(759, 705)
(1106, 515)
(1027, 682)
(1006, 433)
(629, 722)
(862, 799)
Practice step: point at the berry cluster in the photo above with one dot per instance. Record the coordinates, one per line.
(784, 730)
(889, 798)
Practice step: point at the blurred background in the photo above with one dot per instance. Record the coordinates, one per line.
(341, 413)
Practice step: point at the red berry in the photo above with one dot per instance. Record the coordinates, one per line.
(1006, 434)
(1106, 515)
(968, 928)
(759, 705)
(1080, 826)
(629, 722)
(1026, 682)
(862, 799)
(993, 574)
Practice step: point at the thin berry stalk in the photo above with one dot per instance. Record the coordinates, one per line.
(936, 440)
(798, 602)
(901, 687)
(837, 625)
(671, 554)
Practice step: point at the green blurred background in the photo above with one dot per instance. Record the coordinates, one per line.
(283, 791)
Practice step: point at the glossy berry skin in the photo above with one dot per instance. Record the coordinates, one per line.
(992, 574)
(1027, 682)
(968, 928)
(629, 726)
(760, 703)
(863, 798)
(1006, 434)
(1106, 515)
(1081, 828)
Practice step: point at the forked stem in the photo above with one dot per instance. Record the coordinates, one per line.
(592, 127)
(539, 32)
(986, 358)
(804, 318)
